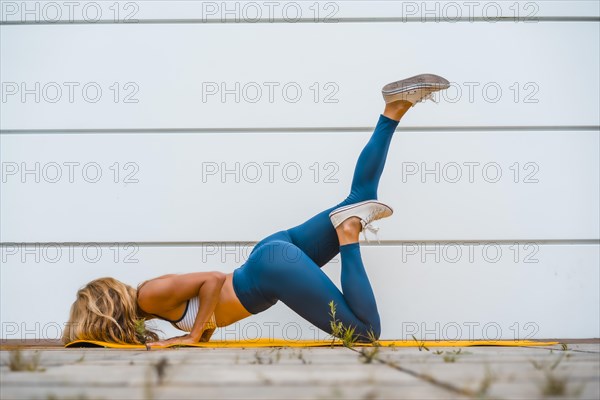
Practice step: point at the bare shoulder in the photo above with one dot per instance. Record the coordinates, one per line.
(153, 292)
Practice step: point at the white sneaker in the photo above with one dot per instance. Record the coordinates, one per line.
(368, 211)
(414, 89)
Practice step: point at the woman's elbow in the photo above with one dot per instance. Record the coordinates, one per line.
(218, 277)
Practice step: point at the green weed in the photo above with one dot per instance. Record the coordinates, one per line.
(17, 362)
(420, 344)
(339, 331)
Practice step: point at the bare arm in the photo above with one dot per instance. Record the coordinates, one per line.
(164, 294)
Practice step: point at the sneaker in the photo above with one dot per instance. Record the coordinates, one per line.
(415, 89)
(368, 211)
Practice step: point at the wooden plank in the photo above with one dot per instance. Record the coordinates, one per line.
(502, 373)
(320, 75)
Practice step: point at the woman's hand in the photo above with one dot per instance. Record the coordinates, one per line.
(178, 340)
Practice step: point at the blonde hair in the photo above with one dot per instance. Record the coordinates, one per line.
(107, 310)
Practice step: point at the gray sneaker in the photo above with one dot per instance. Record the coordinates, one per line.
(367, 211)
(414, 89)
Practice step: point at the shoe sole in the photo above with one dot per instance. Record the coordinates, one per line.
(423, 81)
(355, 205)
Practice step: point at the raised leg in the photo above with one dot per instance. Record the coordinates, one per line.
(316, 236)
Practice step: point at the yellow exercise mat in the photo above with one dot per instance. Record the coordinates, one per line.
(315, 343)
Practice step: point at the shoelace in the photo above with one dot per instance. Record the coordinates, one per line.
(368, 226)
(427, 97)
(371, 228)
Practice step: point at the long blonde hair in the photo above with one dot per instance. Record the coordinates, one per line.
(107, 310)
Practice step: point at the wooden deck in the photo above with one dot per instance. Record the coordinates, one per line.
(315, 373)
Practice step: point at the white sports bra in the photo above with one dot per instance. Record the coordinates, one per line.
(186, 322)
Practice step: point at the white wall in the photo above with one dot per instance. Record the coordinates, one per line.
(495, 190)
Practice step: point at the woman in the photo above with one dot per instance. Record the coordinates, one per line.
(284, 266)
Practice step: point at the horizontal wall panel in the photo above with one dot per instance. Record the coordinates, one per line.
(180, 187)
(163, 76)
(497, 293)
(290, 11)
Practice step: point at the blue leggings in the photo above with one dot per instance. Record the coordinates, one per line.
(287, 265)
